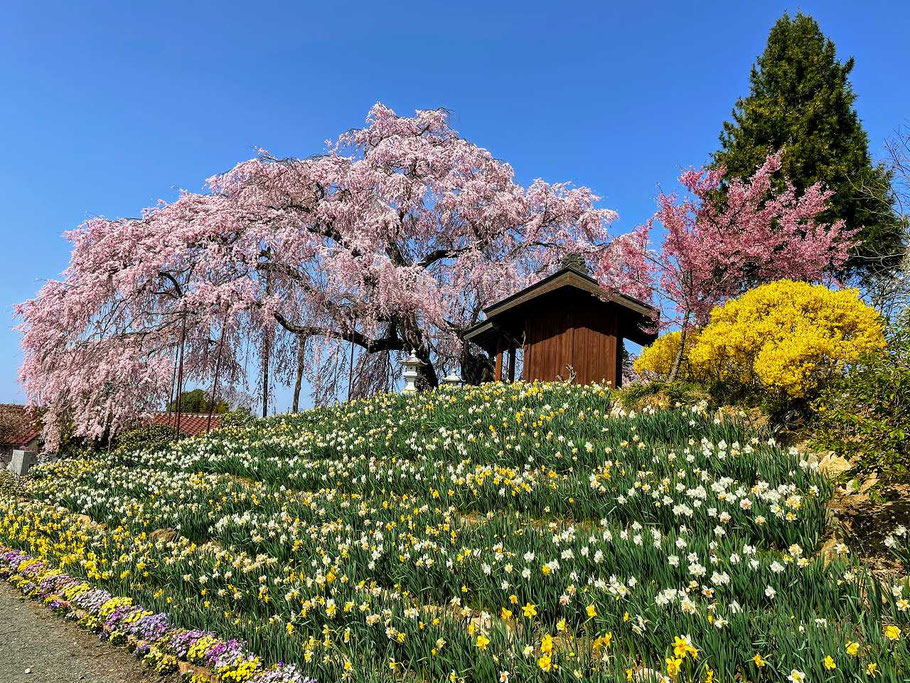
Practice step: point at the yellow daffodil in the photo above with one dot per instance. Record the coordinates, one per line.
(546, 643)
(545, 662)
(683, 647)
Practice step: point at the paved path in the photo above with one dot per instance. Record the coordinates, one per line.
(37, 646)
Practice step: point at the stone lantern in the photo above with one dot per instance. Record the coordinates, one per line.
(452, 381)
(411, 366)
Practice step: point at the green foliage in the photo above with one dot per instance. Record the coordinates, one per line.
(10, 484)
(801, 100)
(398, 529)
(151, 436)
(661, 394)
(898, 543)
(236, 418)
(866, 413)
(197, 401)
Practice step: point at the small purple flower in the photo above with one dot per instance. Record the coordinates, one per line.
(150, 628)
(283, 673)
(180, 641)
(224, 653)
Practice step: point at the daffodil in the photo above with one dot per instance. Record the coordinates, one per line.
(682, 646)
(545, 662)
(546, 644)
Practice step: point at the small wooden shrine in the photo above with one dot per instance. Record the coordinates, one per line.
(566, 327)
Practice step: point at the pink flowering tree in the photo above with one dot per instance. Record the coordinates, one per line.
(723, 238)
(395, 238)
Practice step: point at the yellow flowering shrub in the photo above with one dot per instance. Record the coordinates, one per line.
(656, 361)
(787, 337)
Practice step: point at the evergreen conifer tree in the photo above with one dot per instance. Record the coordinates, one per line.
(801, 101)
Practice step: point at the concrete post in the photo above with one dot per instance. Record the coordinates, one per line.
(22, 462)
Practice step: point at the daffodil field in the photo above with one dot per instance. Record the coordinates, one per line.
(495, 533)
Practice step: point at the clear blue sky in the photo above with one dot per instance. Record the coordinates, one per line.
(107, 107)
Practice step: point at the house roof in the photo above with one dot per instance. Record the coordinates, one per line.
(571, 278)
(19, 425)
(191, 424)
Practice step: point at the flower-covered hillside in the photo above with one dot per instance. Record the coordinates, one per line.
(504, 532)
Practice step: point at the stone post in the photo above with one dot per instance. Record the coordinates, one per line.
(22, 462)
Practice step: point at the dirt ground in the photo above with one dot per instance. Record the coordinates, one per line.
(863, 524)
(37, 646)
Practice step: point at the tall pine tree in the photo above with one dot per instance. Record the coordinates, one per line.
(801, 100)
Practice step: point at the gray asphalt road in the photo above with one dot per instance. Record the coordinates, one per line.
(37, 646)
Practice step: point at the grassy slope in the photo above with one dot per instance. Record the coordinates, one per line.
(388, 536)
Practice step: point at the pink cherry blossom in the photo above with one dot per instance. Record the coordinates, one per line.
(715, 248)
(719, 241)
(395, 238)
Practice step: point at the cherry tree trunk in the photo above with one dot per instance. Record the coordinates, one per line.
(298, 381)
(180, 377)
(208, 424)
(266, 352)
(677, 361)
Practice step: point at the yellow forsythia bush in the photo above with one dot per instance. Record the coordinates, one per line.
(786, 337)
(656, 361)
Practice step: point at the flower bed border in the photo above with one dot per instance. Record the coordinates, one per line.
(148, 635)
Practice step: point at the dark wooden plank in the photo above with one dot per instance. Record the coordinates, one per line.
(617, 373)
(567, 332)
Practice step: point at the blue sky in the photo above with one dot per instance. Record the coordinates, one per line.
(107, 107)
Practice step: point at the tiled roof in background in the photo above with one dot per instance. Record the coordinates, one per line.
(19, 425)
(191, 424)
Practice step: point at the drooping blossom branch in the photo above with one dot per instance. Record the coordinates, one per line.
(395, 239)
